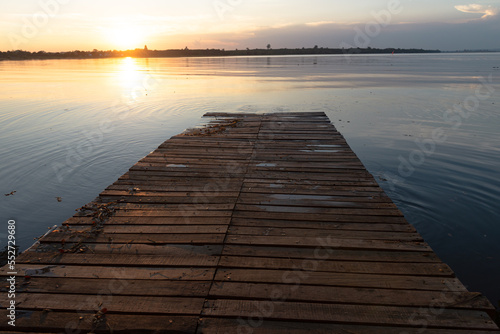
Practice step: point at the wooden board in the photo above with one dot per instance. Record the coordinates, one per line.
(254, 223)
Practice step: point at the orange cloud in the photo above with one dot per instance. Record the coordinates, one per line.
(479, 9)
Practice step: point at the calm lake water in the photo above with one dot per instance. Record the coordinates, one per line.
(426, 126)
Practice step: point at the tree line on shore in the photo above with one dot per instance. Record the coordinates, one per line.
(143, 53)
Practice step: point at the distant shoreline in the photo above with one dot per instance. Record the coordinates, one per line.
(145, 53)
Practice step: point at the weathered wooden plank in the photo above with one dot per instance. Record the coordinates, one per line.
(252, 198)
(319, 252)
(334, 140)
(335, 174)
(235, 158)
(113, 304)
(322, 187)
(371, 194)
(318, 186)
(347, 295)
(358, 314)
(137, 249)
(151, 175)
(365, 181)
(175, 220)
(144, 238)
(228, 135)
(70, 322)
(113, 287)
(193, 206)
(290, 326)
(319, 265)
(320, 217)
(203, 199)
(195, 212)
(175, 185)
(311, 203)
(164, 159)
(262, 166)
(326, 227)
(269, 117)
(206, 151)
(106, 272)
(202, 142)
(322, 233)
(319, 210)
(131, 193)
(328, 241)
(303, 157)
(339, 279)
(306, 150)
(138, 229)
(123, 260)
(164, 180)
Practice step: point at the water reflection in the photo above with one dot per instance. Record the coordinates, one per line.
(381, 105)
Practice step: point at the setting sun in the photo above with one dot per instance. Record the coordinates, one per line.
(125, 38)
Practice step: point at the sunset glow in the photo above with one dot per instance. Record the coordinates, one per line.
(125, 38)
(86, 25)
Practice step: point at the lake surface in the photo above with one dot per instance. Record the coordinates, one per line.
(426, 126)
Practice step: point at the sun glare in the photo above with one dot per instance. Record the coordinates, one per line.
(125, 38)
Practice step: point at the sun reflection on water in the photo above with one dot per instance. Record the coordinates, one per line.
(130, 77)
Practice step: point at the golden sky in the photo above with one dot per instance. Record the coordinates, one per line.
(65, 25)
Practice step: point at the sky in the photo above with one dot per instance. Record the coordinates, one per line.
(67, 25)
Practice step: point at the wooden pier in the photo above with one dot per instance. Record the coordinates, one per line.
(252, 224)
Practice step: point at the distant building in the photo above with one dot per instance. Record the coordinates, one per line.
(145, 48)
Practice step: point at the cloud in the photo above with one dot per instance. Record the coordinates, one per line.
(475, 34)
(319, 23)
(488, 11)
